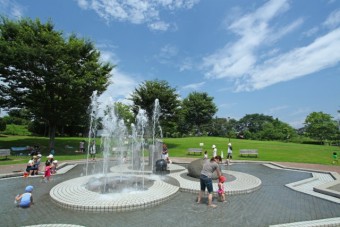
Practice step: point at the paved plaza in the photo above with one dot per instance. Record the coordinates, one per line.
(282, 199)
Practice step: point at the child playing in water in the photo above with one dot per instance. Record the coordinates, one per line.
(47, 174)
(54, 167)
(26, 199)
(220, 191)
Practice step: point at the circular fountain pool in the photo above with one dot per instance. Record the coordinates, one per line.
(75, 194)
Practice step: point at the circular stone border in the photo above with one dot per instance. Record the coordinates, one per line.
(72, 194)
(244, 183)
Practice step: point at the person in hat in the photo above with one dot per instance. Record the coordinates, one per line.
(54, 167)
(220, 191)
(26, 199)
(214, 150)
(230, 153)
(49, 159)
(29, 167)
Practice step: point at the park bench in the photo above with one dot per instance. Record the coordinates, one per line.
(19, 151)
(249, 152)
(5, 152)
(195, 151)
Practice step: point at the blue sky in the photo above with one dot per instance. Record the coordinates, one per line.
(278, 58)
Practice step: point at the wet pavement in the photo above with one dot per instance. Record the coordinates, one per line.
(273, 203)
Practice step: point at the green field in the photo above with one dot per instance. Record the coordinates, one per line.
(66, 148)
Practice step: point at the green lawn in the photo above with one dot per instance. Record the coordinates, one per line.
(65, 148)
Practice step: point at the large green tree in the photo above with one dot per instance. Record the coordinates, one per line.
(321, 126)
(48, 74)
(199, 109)
(145, 95)
(264, 127)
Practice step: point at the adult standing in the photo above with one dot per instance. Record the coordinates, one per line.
(230, 153)
(82, 146)
(206, 178)
(93, 150)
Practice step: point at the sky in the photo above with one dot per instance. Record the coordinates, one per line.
(279, 58)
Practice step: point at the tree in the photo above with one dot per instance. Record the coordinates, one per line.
(2, 124)
(320, 126)
(252, 124)
(124, 112)
(49, 75)
(145, 95)
(199, 109)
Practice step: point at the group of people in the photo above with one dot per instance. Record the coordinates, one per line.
(214, 153)
(25, 199)
(209, 167)
(33, 166)
(92, 148)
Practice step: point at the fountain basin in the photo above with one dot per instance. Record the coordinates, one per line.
(72, 194)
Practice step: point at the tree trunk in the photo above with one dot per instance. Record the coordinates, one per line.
(51, 133)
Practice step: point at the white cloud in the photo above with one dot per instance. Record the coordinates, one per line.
(122, 85)
(276, 109)
(186, 64)
(241, 62)
(159, 26)
(166, 53)
(11, 9)
(333, 19)
(136, 11)
(196, 86)
(236, 59)
(324, 52)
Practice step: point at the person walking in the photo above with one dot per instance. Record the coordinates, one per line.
(206, 178)
(230, 153)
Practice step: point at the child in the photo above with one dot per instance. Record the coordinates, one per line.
(335, 158)
(205, 155)
(47, 174)
(26, 199)
(220, 191)
(54, 167)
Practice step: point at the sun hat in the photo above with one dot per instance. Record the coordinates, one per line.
(39, 155)
(214, 146)
(222, 179)
(55, 161)
(30, 161)
(35, 157)
(50, 156)
(29, 188)
(229, 144)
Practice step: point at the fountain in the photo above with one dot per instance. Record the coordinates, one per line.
(125, 179)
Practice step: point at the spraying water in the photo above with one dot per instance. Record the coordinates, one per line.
(117, 145)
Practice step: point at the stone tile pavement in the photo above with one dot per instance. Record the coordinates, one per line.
(273, 204)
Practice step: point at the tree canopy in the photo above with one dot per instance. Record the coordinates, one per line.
(51, 76)
(145, 95)
(198, 109)
(321, 126)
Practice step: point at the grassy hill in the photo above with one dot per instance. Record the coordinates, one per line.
(66, 148)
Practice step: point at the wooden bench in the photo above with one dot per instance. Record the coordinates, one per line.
(249, 152)
(5, 152)
(195, 151)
